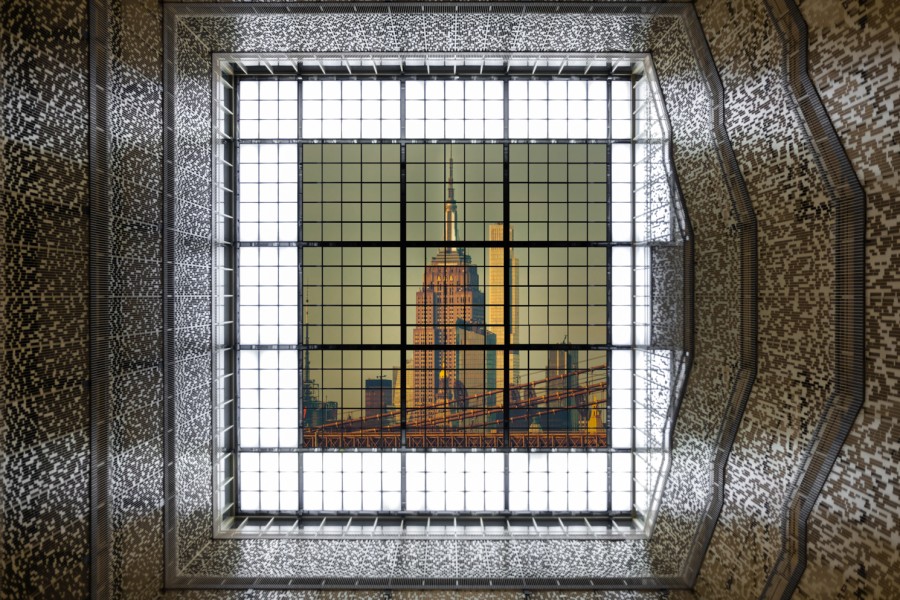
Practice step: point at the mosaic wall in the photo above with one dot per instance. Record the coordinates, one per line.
(797, 288)
(795, 317)
(135, 151)
(44, 452)
(853, 62)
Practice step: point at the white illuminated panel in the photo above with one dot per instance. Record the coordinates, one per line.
(268, 192)
(267, 109)
(268, 414)
(454, 109)
(351, 109)
(268, 295)
(558, 109)
(621, 110)
(557, 481)
(352, 481)
(269, 481)
(622, 197)
(622, 296)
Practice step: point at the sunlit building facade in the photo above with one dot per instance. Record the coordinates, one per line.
(450, 300)
(496, 301)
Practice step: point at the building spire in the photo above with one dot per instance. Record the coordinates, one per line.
(450, 209)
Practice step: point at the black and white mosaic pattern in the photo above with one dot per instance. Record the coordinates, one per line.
(850, 549)
(44, 436)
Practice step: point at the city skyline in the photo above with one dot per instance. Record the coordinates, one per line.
(460, 306)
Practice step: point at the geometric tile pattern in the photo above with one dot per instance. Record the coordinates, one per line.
(796, 277)
(44, 419)
(852, 544)
(803, 391)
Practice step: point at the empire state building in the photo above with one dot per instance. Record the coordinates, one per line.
(450, 314)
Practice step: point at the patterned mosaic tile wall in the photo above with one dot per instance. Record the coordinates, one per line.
(795, 283)
(135, 154)
(853, 62)
(44, 434)
(193, 279)
(717, 294)
(796, 341)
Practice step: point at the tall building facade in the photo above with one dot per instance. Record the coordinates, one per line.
(378, 398)
(566, 408)
(559, 363)
(496, 301)
(449, 302)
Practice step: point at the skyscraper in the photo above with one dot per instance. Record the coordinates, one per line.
(450, 297)
(559, 363)
(566, 407)
(377, 399)
(496, 301)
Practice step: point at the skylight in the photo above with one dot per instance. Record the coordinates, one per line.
(443, 295)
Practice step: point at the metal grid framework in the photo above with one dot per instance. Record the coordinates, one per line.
(267, 237)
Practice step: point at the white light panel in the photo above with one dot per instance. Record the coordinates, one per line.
(268, 295)
(268, 413)
(350, 109)
(267, 206)
(543, 109)
(267, 109)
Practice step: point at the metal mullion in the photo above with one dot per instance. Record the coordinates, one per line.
(513, 244)
(231, 233)
(507, 296)
(633, 303)
(299, 112)
(268, 346)
(388, 347)
(266, 244)
(423, 76)
(236, 279)
(274, 449)
(507, 311)
(404, 379)
(609, 238)
(276, 141)
(301, 304)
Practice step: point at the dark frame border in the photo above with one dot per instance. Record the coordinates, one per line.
(403, 346)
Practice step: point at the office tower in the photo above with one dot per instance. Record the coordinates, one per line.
(560, 382)
(476, 370)
(496, 301)
(377, 400)
(449, 297)
(560, 363)
(312, 409)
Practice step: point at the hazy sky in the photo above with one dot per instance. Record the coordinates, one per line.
(557, 194)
